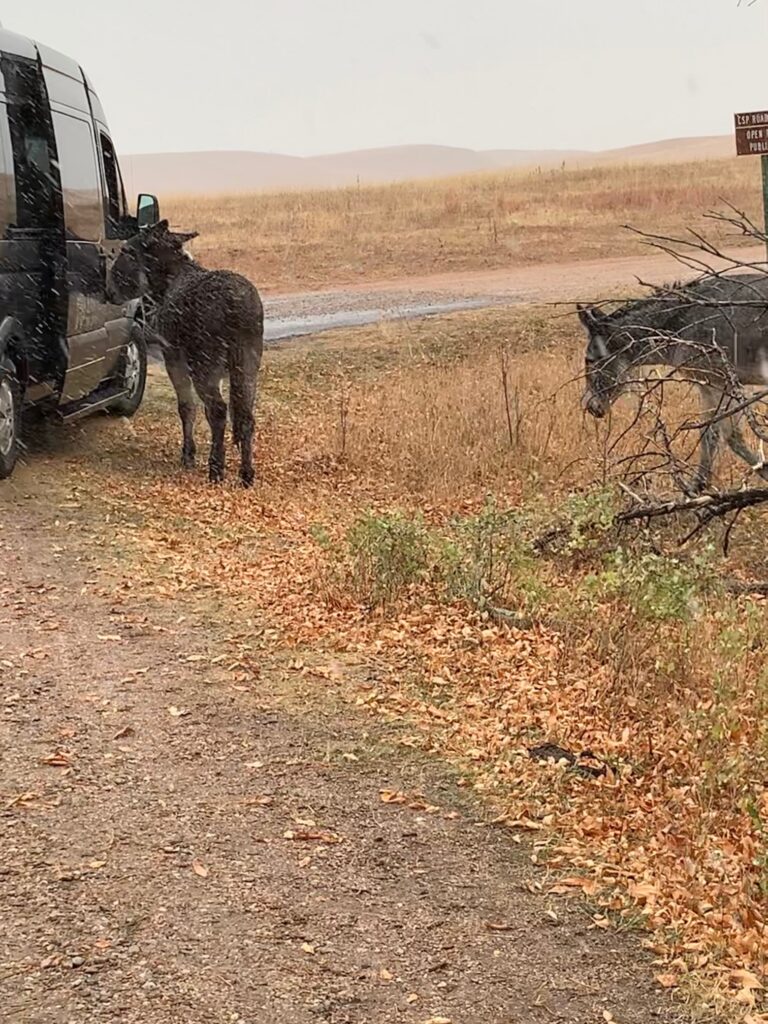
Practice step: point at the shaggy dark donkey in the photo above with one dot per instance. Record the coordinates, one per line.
(209, 323)
(711, 331)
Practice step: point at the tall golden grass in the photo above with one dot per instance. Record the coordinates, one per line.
(296, 240)
(445, 411)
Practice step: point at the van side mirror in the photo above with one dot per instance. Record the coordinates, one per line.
(147, 210)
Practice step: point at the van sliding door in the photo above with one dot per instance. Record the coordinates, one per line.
(94, 350)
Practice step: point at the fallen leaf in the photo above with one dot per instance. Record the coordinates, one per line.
(667, 980)
(177, 712)
(109, 637)
(128, 730)
(60, 759)
(200, 869)
(23, 799)
(305, 837)
(499, 926)
(392, 796)
(745, 997)
(385, 975)
(308, 948)
(745, 979)
(644, 892)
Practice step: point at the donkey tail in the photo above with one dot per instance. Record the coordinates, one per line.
(243, 359)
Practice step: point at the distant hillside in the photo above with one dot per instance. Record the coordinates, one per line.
(704, 147)
(245, 171)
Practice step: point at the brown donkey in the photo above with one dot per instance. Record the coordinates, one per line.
(209, 323)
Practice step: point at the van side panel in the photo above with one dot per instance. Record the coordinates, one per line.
(97, 109)
(66, 91)
(56, 61)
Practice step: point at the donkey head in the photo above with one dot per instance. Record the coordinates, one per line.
(605, 362)
(147, 263)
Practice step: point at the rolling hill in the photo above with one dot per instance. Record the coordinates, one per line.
(235, 171)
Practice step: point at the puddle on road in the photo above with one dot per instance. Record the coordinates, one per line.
(277, 328)
(283, 328)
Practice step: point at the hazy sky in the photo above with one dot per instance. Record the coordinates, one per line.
(315, 76)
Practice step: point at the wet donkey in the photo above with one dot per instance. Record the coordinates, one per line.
(210, 324)
(712, 332)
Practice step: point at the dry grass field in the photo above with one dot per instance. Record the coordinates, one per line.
(303, 240)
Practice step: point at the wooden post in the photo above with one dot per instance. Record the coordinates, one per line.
(764, 163)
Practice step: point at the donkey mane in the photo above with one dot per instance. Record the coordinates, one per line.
(665, 310)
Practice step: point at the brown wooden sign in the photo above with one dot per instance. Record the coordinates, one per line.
(752, 133)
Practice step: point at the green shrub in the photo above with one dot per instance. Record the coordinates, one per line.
(387, 554)
(655, 587)
(487, 560)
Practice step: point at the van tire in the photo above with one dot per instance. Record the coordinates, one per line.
(132, 373)
(10, 418)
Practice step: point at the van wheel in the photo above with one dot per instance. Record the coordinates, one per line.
(10, 419)
(132, 375)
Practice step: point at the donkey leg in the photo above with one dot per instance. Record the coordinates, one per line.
(209, 390)
(244, 367)
(177, 369)
(710, 442)
(739, 447)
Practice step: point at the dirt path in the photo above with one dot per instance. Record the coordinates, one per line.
(177, 849)
(582, 280)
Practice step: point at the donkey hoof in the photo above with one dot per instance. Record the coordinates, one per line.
(187, 461)
(247, 476)
(215, 475)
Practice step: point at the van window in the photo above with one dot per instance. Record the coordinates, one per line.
(80, 182)
(6, 173)
(115, 195)
(37, 199)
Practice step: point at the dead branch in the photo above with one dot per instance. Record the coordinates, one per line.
(709, 506)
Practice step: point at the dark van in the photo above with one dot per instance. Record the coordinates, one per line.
(63, 346)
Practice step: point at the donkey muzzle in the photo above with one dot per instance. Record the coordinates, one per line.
(594, 405)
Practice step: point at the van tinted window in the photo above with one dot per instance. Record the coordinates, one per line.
(6, 172)
(31, 131)
(80, 182)
(115, 194)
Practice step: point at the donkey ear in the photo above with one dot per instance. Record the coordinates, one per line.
(590, 316)
(185, 236)
(162, 225)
